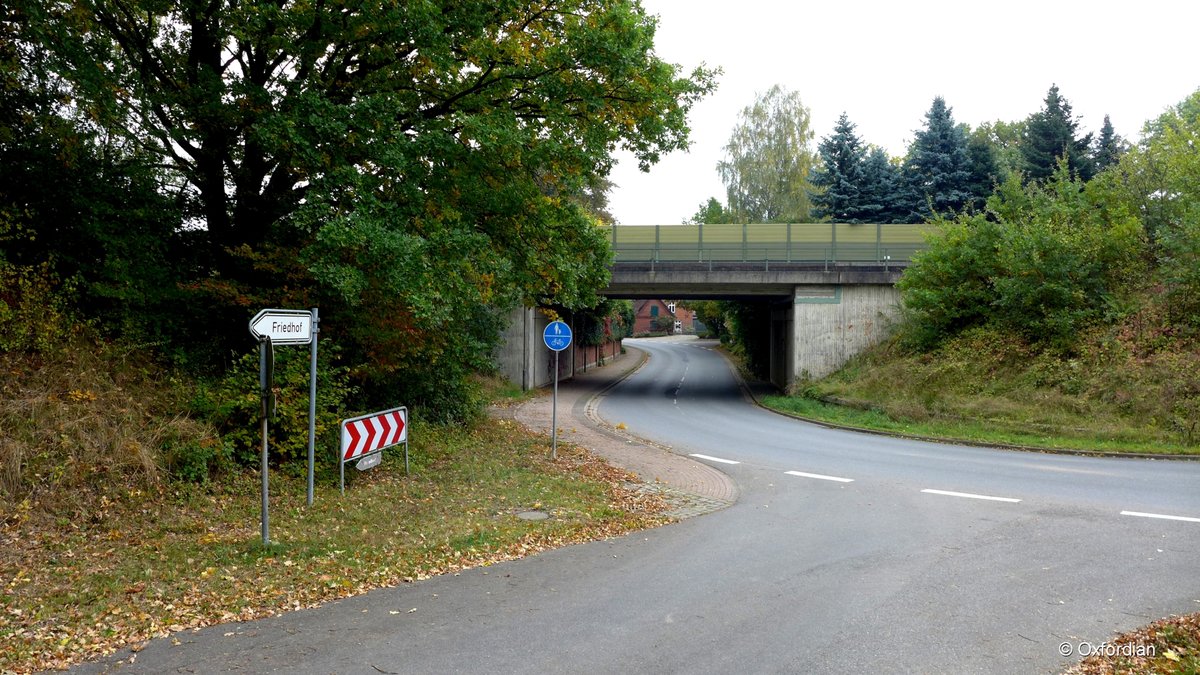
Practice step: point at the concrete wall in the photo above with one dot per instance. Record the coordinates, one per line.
(783, 340)
(833, 323)
(523, 357)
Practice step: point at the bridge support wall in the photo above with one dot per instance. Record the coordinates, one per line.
(831, 323)
(523, 357)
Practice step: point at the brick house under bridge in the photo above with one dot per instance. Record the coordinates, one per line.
(662, 316)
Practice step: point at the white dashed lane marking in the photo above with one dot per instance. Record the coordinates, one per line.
(714, 459)
(1160, 516)
(968, 495)
(819, 476)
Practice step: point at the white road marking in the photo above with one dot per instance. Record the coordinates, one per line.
(819, 476)
(1160, 516)
(968, 495)
(714, 459)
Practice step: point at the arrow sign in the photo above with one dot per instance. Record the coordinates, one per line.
(283, 326)
(374, 432)
(557, 336)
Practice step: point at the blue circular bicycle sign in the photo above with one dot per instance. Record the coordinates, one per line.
(557, 336)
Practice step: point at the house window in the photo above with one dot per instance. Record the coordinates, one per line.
(653, 311)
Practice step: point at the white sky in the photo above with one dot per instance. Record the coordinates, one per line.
(883, 62)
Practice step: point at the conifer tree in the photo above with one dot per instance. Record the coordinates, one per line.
(938, 169)
(880, 193)
(839, 176)
(1109, 146)
(1051, 133)
(985, 170)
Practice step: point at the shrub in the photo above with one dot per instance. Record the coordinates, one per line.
(233, 403)
(35, 313)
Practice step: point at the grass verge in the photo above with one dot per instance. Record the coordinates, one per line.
(999, 432)
(84, 574)
(1117, 391)
(1170, 646)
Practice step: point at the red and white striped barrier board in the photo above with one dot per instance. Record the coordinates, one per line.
(374, 432)
(365, 437)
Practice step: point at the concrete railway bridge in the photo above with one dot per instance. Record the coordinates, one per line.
(830, 286)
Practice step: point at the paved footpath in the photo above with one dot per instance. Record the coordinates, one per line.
(691, 488)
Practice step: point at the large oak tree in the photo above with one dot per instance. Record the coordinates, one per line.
(402, 163)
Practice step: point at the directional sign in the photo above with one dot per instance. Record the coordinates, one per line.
(557, 336)
(283, 326)
(374, 432)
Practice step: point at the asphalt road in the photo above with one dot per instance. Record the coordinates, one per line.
(888, 568)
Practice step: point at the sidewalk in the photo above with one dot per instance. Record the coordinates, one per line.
(691, 488)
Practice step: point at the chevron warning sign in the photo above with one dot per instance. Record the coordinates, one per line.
(372, 433)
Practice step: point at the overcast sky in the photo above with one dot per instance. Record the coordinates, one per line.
(883, 62)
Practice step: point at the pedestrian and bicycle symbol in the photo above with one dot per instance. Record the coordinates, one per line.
(557, 336)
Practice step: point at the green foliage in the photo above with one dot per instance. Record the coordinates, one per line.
(398, 165)
(1004, 138)
(1051, 134)
(948, 287)
(233, 405)
(985, 169)
(882, 197)
(194, 460)
(839, 176)
(1109, 146)
(938, 169)
(1159, 177)
(36, 308)
(711, 212)
(1181, 269)
(663, 324)
(768, 160)
(1045, 262)
(748, 324)
(711, 313)
(77, 204)
(625, 317)
(603, 323)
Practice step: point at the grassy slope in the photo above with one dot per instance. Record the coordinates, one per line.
(98, 549)
(1133, 387)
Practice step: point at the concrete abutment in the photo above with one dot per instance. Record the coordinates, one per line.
(832, 323)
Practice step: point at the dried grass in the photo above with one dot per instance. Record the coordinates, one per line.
(83, 416)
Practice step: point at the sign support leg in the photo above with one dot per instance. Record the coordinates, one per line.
(554, 414)
(312, 405)
(264, 377)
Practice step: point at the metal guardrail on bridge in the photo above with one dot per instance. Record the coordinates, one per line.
(775, 242)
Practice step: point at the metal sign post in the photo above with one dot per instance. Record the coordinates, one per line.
(266, 377)
(312, 405)
(557, 337)
(283, 327)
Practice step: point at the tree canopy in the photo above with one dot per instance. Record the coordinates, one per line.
(412, 168)
(1053, 133)
(839, 175)
(938, 167)
(768, 160)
